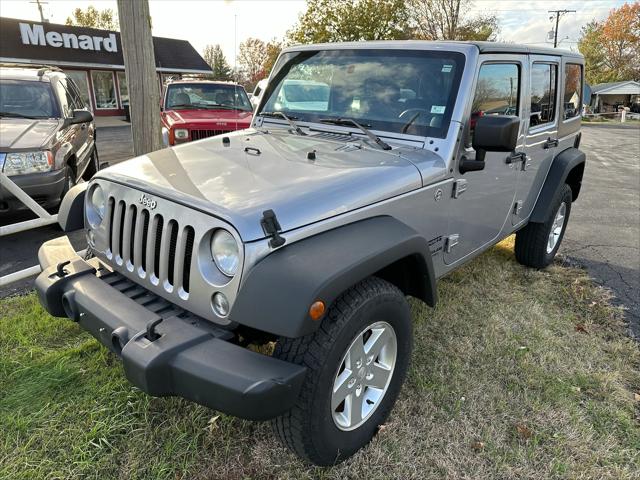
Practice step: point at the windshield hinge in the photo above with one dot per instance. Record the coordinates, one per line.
(271, 227)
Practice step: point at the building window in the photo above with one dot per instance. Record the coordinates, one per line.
(124, 89)
(543, 93)
(104, 90)
(80, 79)
(572, 103)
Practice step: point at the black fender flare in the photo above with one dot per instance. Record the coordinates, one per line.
(560, 169)
(71, 211)
(277, 292)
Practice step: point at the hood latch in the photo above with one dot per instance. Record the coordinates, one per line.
(271, 227)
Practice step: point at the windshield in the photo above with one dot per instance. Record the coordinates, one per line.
(28, 99)
(208, 96)
(399, 91)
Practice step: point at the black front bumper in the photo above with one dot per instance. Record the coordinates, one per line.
(190, 357)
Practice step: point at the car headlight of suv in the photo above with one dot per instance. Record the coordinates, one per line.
(181, 133)
(225, 252)
(96, 205)
(18, 163)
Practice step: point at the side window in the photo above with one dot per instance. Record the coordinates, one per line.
(543, 93)
(497, 91)
(572, 100)
(65, 99)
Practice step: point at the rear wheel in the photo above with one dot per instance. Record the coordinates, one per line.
(538, 243)
(357, 361)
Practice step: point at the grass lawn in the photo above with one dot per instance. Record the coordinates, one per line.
(517, 374)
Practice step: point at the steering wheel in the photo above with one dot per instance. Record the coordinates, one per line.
(414, 110)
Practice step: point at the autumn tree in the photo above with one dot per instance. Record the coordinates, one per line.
(351, 20)
(214, 56)
(450, 20)
(272, 50)
(91, 17)
(251, 56)
(611, 47)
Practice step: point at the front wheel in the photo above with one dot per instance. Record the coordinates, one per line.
(357, 361)
(538, 243)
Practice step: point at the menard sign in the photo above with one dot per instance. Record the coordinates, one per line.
(34, 34)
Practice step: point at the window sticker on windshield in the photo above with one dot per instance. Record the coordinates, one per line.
(437, 109)
(447, 68)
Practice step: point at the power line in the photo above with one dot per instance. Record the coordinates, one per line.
(558, 14)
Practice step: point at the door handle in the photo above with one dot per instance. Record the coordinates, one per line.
(516, 157)
(551, 142)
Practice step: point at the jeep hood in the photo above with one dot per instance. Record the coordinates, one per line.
(271, 171)
(207, 116)
(24, 133)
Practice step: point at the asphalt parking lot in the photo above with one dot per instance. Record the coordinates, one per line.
(603, 234)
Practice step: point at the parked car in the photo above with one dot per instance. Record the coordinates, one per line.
(302, 95)
(47, 135)
(257, 92)
(310, 229)
(196, 109)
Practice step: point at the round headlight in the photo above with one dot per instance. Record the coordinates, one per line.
(98, 201)
(225, 252)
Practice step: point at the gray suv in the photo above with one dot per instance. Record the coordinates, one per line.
(47, 136)
(390, 165)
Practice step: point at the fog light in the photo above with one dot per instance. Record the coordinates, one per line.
(221, 304)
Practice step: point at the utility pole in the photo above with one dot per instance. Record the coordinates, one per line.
(558, 14)
(39, 2)
(140, 67)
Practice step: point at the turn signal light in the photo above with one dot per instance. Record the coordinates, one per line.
(316, 310)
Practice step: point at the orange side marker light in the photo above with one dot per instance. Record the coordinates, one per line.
(316, 310)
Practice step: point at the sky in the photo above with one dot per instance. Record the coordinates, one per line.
(229, 22)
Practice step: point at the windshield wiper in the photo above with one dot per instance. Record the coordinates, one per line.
(349, 121)
(16, 115)
(183, 105)
(289, 119)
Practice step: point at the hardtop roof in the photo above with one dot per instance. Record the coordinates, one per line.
(483, 47)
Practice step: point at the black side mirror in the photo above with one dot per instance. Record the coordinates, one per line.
(79, 116)
(495, 133)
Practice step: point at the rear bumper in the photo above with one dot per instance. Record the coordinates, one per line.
(191, 358)
(46, 188)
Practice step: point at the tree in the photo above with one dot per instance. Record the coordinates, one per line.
(450, 20)
(610, 47)
(103, 19)
(273, 49)
(351, 20)
(215, 58)
(251, 58)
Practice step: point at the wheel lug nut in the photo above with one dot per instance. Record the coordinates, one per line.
(351, 383)
(369, 359)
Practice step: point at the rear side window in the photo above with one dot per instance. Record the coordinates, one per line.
(497, 91)
(572, 101)
(543, 93)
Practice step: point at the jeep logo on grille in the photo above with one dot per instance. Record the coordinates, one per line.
(145, 201)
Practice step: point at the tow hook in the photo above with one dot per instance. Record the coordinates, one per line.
(152, 335)
(60, 271)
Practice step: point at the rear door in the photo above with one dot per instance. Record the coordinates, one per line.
(541, 139)
(483, 200)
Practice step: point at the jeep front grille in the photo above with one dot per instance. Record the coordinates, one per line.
(157, 248)
(198, 134)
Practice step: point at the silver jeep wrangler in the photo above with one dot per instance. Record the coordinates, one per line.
(370, 171)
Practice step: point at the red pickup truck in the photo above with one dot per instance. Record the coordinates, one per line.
(196, 109)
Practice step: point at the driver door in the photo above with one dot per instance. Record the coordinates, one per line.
(483, 200)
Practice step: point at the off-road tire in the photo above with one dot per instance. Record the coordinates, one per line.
(93, 167)
(308, 429)
(531, 241)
